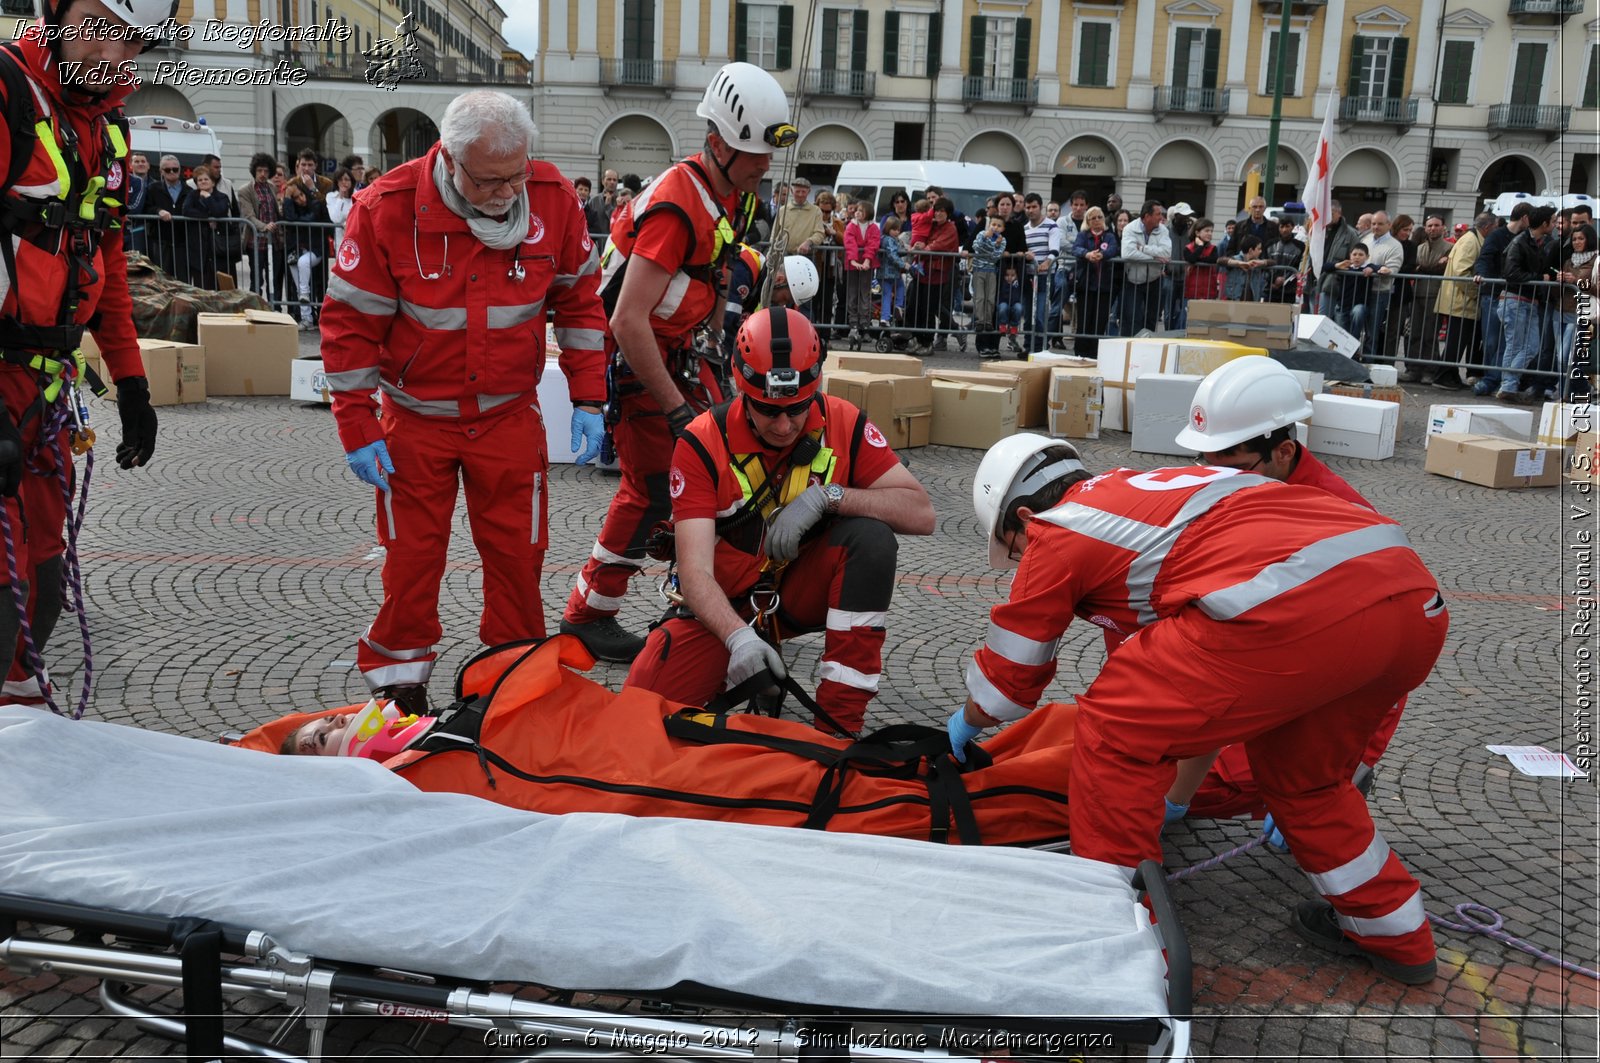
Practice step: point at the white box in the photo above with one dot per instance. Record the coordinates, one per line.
(1383, 376)
(1310, 382)
(1302, 433)
(1321, 331)
(1122, 363)
(1165, 400)
(307, 381)
(1352, 428)
(1561, 422)
(1479, 421)
(555, 406)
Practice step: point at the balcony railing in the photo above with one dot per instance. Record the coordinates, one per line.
(1529, 118)
(637, 73)
(1301, 5)
(1379, 110)
(1559, 8)
(855, 84)
(1186, 99)
(1021, 91)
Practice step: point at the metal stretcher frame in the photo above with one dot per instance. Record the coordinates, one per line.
(211, 963)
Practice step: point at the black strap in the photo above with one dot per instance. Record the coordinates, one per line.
(20, 111)
(200, 949)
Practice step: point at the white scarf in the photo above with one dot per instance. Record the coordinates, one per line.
(498, 233)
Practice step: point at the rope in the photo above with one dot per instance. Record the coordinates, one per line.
(1468, 912)
(71, 574)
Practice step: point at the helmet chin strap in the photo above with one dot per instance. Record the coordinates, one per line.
(722, 167)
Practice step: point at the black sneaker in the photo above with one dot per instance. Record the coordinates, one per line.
(606, 639)
(1316, 922)
(411, 697)
(1448, 382)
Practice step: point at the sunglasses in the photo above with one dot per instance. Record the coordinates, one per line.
(170, 169)
(773, 410)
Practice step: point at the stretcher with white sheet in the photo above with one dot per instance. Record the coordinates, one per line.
(335, 888)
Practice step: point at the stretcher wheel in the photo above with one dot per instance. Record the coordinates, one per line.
(884, 345)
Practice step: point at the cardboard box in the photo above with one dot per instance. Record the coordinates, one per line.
(1382, 376)
(972, 415)
(1321, 331)
(1494, 462)
(1269, 325)
(1202, 356)
(1379, 394)
(1562, 422)
(1352, 428)
(308, 382)
(1076, 402)
(1165, 400)
(865, 362)
(249, 353)
(1583, 466)
(1121, 364)
(1055, 358)
(176, 371)
(1310, 382)
(901, 406)
(1501, 421)
(1034, 380)
(225, 283)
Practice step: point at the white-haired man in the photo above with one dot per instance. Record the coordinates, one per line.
(438, 299)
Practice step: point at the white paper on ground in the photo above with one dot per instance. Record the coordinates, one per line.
(1539, 761)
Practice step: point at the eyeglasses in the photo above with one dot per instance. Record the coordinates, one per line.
(170, 169)
(489, 185)
(772, 410)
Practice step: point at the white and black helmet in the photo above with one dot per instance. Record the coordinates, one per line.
(749, 109)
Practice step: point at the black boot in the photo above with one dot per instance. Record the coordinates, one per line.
(410, 697)
(606, 639)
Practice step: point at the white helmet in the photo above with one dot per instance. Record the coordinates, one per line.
(142, 14)
(1014, 468)
(801, 273)
(749, 109)
(1242, 399)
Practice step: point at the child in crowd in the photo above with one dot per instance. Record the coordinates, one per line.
(987, 247)
(1204, 279)
(1008, 305)
(891, 268)
(1353, 289)
(862, 238)
(1245, 272)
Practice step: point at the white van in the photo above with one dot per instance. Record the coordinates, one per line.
(968, 184)
(155, 135)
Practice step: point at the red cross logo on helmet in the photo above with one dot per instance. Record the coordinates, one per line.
(1198, 417)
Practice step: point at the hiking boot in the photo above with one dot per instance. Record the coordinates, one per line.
(410, 697)
(1316, 922)
(606, 639)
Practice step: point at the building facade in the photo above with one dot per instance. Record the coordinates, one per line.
(1440, 102)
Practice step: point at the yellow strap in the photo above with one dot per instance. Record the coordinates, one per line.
(119, 146)
(47, 136)
(91, 197)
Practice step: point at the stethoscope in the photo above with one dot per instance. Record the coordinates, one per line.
(517, 272)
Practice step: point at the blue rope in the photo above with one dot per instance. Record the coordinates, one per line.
(1472, 915)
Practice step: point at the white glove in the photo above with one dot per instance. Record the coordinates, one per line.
(792, 523)
(748, 654)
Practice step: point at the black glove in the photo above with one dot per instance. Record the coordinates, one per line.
(678, 420)
(10, 456)
(138, 422)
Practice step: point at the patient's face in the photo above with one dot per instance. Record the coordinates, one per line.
(322, 738)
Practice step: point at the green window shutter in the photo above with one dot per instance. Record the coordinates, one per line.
(1019, 61)
(1102, 54)
(891, 44)
(1529, 74)
(741, 32)
(979, 38)
(830, 38)
(1358, 52)
(1456, 77)
(1208, 77)
(858, 40)
(1291, 66)
(1397, 68)
(785, 36)
(1591, 83)
(935, 43)
(1180, 58)
(1272, 65)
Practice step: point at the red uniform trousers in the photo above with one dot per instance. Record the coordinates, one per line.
(502, 462)
(841, 583)
(644, 450)
(1188, 684)
(38, 518)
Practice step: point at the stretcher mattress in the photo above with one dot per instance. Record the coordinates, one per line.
(345, 861)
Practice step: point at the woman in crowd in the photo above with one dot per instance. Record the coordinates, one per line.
(304, 244)
(1578, 274)
(340, 200)
(205, 206)
(1096, 251)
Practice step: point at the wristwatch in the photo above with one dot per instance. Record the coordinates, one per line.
(835, 497)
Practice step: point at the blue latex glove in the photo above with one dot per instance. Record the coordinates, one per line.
(1274, 836)
(1174, 812)
(588, 432)
(961, 732)
(371, 464)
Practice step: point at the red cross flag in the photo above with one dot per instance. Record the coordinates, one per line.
(1319, 188)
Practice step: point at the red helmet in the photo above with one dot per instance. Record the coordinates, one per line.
(777, 357)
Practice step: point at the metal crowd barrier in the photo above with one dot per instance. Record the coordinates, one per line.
(288, 267)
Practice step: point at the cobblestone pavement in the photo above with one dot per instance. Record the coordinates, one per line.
(228, 582)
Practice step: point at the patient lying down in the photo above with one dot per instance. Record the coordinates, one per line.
(377, 731)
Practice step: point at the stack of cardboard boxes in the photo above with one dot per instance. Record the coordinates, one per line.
(889, 388)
